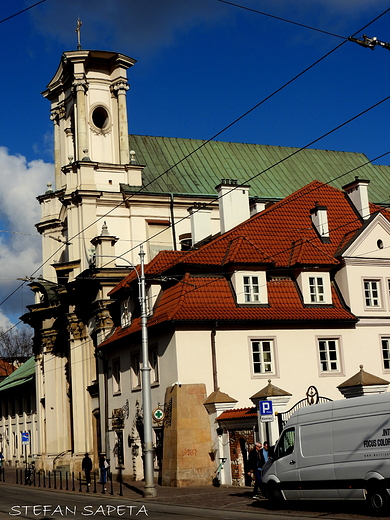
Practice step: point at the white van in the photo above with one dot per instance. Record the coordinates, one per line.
(337, 450)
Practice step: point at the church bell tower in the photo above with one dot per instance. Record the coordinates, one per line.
(88, 109)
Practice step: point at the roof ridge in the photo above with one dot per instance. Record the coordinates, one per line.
(300, 245)
(184, 289)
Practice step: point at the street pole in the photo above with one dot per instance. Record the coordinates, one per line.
(150, 489)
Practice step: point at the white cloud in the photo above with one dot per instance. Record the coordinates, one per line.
(5, 322)
(20, 244)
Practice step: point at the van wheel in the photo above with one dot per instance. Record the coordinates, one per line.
(274, 494)
(378, 500)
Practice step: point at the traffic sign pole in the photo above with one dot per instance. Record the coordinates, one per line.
(266, 413)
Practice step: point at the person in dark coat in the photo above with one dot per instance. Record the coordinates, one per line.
(256, 462)
(86, 466)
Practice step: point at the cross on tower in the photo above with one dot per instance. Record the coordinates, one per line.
(79, 24)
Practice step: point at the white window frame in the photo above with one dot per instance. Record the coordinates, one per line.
(248, 290)
(372, 295)
(262, 357)
(328, 358)
(251, 288)
(316, 289)
(303, 281)
(116, 376)
(385, 352)
(125, 313)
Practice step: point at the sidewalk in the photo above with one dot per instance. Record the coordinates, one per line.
(230, 498)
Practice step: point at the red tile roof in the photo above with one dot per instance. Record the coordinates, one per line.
(281, 236)
(159, 264)
(197, 299)
(6, 368)
(284, 233)
(239, 413)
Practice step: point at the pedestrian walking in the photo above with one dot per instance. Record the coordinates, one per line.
(256, 462)
(86, 466)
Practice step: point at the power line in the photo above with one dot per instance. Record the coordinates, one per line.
(22, 11)
(203, 144)
(199, 147)
(283, 160)
(281, 19)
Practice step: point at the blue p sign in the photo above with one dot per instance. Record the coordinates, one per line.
(266, 408)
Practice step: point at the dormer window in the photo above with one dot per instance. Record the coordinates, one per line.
(250, 287)
(315, 288)
(125, 313)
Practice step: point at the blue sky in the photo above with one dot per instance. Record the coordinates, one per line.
(200, 65)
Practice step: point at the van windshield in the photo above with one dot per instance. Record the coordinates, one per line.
(286, 443)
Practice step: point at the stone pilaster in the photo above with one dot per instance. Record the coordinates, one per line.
(80, 87)
(120, 88)
(55, 115)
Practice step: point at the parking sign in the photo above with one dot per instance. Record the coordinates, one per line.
(266, 411)
(25, 438)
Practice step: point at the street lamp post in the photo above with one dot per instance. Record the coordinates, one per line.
(150, 488)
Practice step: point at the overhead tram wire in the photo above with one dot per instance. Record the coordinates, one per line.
(216, 198)
(285, 159)
(281, 202)
(22, 11)
(272, 209)
(199, 147)
(281, 19)
(224, 129)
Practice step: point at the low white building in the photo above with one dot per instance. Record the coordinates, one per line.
(18, 416)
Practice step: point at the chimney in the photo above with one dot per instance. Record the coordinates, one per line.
(200, 217)
(233, 203)
(358, 194)
(256, 206)
(319, 218)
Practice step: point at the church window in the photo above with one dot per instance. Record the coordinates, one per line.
(100, 118)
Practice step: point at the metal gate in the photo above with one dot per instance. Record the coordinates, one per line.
(312, 398)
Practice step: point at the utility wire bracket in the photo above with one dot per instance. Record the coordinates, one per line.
(369, 43)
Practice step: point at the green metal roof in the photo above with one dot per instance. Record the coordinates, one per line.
(22, 375)
(216, 160)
